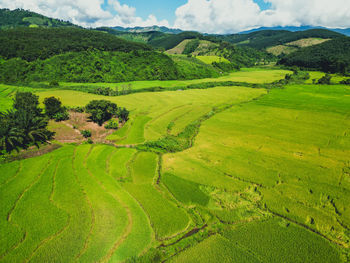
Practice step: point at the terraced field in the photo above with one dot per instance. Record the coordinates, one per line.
(258, 176)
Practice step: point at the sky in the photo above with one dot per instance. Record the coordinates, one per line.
(207, 16)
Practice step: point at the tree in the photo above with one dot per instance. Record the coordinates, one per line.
(11, 138)
(101, 110)
(28, 102)
(25, 125)
(52, 106)
(123, 114)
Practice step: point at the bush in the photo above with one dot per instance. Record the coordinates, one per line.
(77, 109)
(345, 81)
(86, 133)
(53, 106)
(325, 80)
(112, 124)
(101, 110)
(54, 83)
(61, 116)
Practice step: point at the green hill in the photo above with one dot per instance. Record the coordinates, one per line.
(143, 37)
(103, 66)
(269, 38)
(331, 56)
(41, 43)
(23, 18)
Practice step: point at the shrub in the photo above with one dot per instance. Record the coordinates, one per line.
(61, 116)
(54, 83)
(112, 124)
(86, 133)
(325, 80)
(345, 81)
(101, 110)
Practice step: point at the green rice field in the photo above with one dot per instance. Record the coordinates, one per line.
(263, 176)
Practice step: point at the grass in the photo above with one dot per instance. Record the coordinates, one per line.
(185, 191)
(293, 142)
(215, 249)
(166, 218)
(257, 176)
(299, 245)
(212, 59)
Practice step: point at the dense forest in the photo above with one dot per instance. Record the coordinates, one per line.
(41, 43)
(269, 38)
(102, 66)
(24, 18)
(332, 56)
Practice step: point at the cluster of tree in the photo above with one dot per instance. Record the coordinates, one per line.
(325, 80)
(124, 90)
(41, 43)
(345, 81)
(23, 126)
(243, 56)
(192, 68)
(22, 18)
(143, 37)
(169, 41)
(332, 56)
(98, 66)
(297, 77)
(54, 109)
(268, 38)
(103, 110)
(225, 67)
(191, 46)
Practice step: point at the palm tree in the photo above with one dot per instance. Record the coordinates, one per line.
(11, 138)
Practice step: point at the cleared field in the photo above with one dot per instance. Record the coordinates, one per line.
(281, 49)
(179, 49)
(306, 42)
(212, 59)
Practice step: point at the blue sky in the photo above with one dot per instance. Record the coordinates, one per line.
(207, 16)
(163, 9)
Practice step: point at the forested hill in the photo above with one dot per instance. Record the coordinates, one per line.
(268, 38)
(41, 43)
(331, 56)
(23, 18)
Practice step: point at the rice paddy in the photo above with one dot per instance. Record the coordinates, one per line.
(264, 179)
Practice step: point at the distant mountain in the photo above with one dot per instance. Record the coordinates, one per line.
(162, 29)
(22, 18)
(345, 31)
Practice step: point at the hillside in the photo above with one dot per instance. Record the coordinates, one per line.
(103, 66)
(41, 43)
(331, 56)
(236, 55)
(144, 37)
(268, 38)
(23, 18)
(294, 46)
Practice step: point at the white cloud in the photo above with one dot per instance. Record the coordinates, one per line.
(87, 13)
(228, 16)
